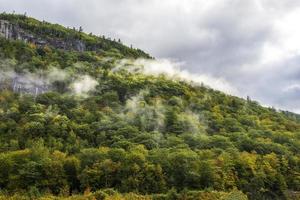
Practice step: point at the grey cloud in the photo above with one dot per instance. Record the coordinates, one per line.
(275, 85)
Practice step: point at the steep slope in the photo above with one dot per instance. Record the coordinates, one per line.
(72, 121)
(45, 34)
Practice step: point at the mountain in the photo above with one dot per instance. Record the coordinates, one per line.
(79, 119)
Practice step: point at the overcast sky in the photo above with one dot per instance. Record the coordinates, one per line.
(253, 46)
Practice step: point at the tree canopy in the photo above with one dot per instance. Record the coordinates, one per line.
(134, 136)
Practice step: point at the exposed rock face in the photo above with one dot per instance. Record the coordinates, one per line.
(14, 32)
(24, 85)
(5, 29)
(34, 87)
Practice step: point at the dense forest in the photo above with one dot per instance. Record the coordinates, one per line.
(101, 133)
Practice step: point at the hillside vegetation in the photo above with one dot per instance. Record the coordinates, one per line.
(131, 135)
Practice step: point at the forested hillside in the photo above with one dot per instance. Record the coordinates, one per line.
(75, 125)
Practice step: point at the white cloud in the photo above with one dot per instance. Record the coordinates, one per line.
(84, 85)
(287, 41)
(173, 70)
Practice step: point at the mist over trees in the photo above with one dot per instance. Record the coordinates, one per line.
(102, 133)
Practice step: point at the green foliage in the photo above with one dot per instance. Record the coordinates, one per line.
(143, 136)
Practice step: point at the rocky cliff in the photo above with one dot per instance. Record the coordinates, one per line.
(24, 84)
(14, 32)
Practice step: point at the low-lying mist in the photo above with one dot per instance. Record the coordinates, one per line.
(81, 84)
(149, 116)
(42, 81)
(173, 71)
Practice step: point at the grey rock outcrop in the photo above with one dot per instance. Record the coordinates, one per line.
(34, 87)
(24, 84)
(6, 29)
(14, 32)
